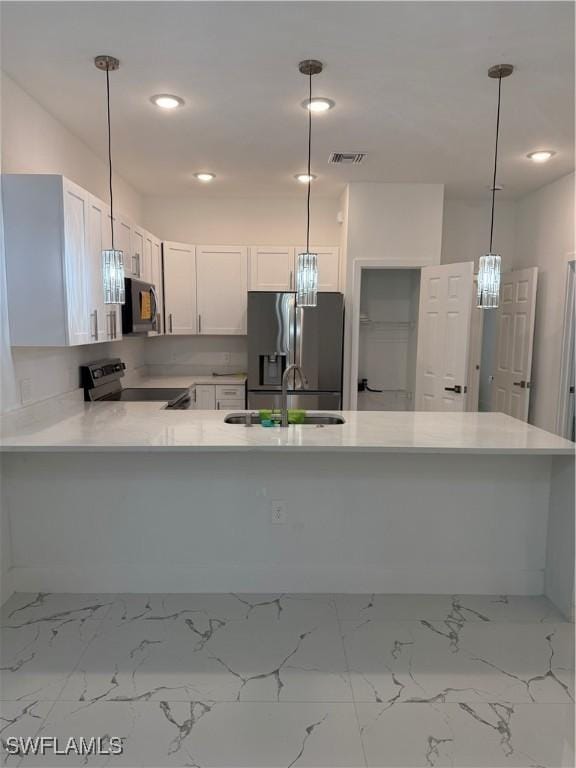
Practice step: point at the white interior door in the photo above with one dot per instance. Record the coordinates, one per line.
(444, 337)
(475, 353)
(514, 343)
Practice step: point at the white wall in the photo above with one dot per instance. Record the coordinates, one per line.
(242, 221)
(545, 239)
(466, 231)
(33, 141)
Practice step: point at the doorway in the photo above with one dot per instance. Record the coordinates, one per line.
(387, 339)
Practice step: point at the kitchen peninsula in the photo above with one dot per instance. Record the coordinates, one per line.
(128, 497)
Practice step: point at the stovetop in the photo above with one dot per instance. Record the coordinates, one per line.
(135, 394)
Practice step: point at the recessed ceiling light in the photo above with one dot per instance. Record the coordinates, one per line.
(541, 155)
(318, 104)
(304, 178)
(205, 177)
(167, 101)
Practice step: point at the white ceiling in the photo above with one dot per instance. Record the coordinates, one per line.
(409, 80)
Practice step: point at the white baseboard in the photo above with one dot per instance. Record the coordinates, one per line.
(156, 578)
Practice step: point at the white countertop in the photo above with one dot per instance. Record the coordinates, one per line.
(95, 427)
(187, 381)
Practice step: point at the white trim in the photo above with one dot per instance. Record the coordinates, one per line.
(567, 347)
(359, 265)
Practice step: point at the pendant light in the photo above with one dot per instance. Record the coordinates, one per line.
(112, 259)
(307, 266)
(490, 266)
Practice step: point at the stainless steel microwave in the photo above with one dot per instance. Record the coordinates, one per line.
(140, 310)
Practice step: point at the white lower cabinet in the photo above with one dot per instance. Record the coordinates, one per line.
(205, 397)
(220, 397)
(221, 288)
(180, 314)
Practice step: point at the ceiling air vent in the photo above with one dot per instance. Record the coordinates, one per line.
(347, 158)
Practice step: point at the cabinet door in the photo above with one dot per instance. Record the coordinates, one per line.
(180, 314)
(99, 239)
(205, 397)
(156, 280)
(147, 257)
(271, 268)
(222, 283)
(328, 266)
(137, 241)
(76, 203)
(123, 241)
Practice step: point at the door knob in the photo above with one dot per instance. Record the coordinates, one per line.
(457, 388)
(522, 384)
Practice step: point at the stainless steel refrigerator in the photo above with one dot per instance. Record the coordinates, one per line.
(279, 334)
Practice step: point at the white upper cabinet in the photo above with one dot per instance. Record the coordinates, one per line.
(222, 284)
(137, 241)
(54, 235)
(157, 280)
(328, 266)
(271, 268)
(180, 288)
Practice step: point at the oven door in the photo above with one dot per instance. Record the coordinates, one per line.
(140, 312)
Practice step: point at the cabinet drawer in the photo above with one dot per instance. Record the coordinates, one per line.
(230, 405)
(230, 392)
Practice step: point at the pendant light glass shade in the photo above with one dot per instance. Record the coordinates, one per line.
(113, 275)
(307, 280)
(489, 281)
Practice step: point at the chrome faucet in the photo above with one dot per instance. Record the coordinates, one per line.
(284, 401)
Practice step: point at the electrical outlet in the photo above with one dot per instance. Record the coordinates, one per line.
(278, 512)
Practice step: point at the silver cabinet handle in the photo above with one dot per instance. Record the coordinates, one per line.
(95, 334)
(115, 324)
(136, 260)
(158, 323)
(170, 316)
(291, 279)
(109, 329)
(199, 323)
(218, 405)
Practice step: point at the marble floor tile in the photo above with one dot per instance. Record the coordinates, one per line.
(36, 658)
(295, 656)
(224, 607)
(212, 735)
(25, 608)
(446, 661)
(461, 608)
(20, 719)
(481, 735)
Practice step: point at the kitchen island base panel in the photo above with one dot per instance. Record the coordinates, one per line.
(382, 523)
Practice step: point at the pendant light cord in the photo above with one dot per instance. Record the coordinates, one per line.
(110, 156)
(309, 164)
(495, 163)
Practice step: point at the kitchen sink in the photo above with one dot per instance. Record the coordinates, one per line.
(311, 419)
